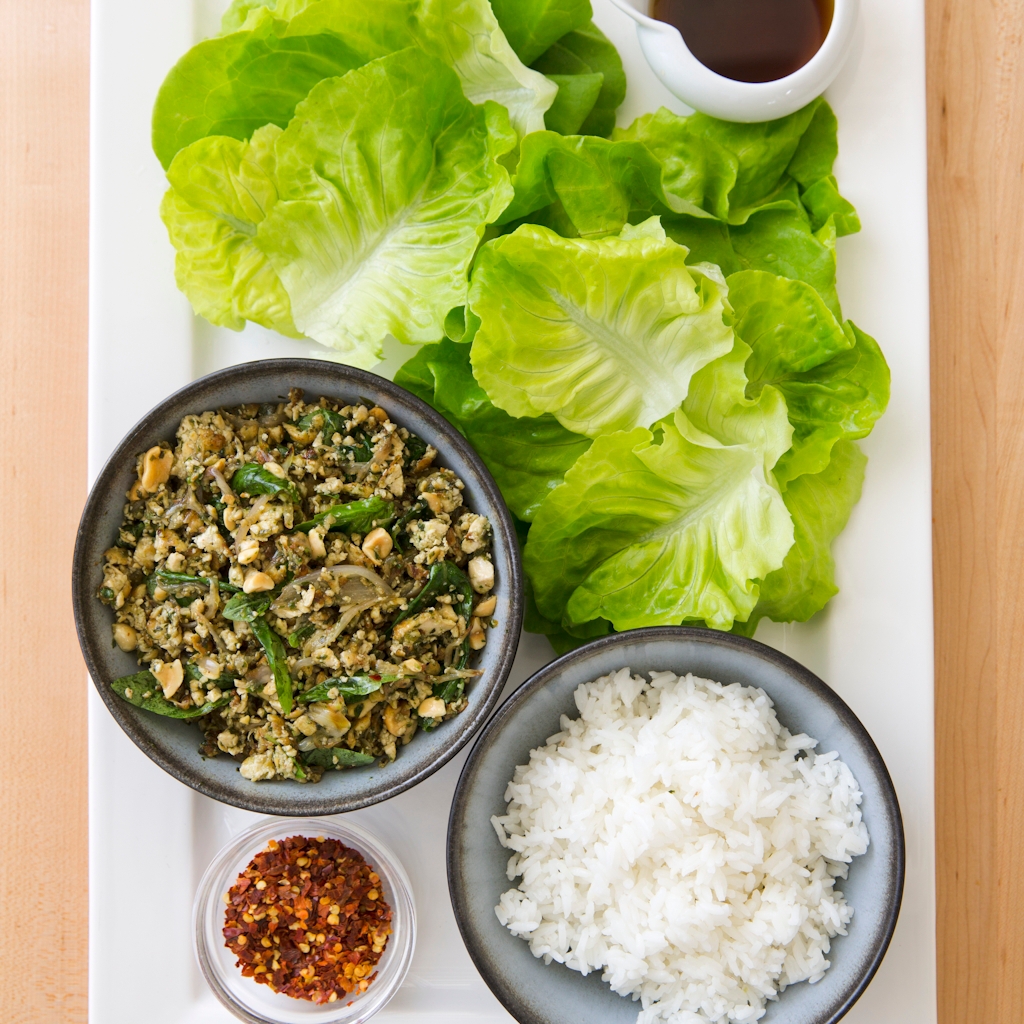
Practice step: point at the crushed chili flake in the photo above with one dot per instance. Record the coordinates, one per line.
(308, 918)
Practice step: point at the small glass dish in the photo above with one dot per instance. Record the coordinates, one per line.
(250, 1001)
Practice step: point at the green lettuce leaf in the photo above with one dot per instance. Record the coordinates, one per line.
(231, 85)
(833, 376)
(756, 197)
(242, 11)
(706, 167)
(384, 182)
(221, 191)
(746, 168)
(527, 457)
(576, 97)
(697, 169)
(655, 528)
(598, 185)
(820, 504)
(466, 35)
(234, 17)
(811, 168)
(590, 187)
(604, 334)
(781, 242)
(531, 26)
(778, 241)
(562, 638)
(259, 73)
(584, 52)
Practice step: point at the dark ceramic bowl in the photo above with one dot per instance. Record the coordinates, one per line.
(537, 994)
(174, 744)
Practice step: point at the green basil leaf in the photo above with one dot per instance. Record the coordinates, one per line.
(145, 682)
(444, 578)
(415, 449)
(330, 422)
(299, 636)
(273, 646)
(336, 757)
(248, 607)
(354, 516)
(171, 581)
(418, 511)
(450, 691)
(350, 687)
(252, 478)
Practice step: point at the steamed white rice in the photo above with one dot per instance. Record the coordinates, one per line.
(676, 838)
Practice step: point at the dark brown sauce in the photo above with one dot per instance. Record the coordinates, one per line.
(749, 40)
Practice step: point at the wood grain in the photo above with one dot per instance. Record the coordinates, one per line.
(976, 197)
(44, 120)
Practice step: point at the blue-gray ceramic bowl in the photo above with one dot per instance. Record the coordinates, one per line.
(173, 744)
(535, 993)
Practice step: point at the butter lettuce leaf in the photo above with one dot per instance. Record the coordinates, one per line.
(705, 168)
(746, 168)
(259, 72)
(833, 376)
(583, 53)
(820, 504)
(778, 241)
(241, 11)
(758, 197)
(387, 178)
(604, 334)
(576, 97)
(598, 185)
(675, 524)
(528, 457)
(238, 10)
(372, 205)
(466, 35)
(531, 26)
(221, 191)
(235, 84)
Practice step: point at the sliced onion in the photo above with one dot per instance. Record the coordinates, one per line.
(327, 636)
(254, 513)
(225, 487)
(259, 676)
(366, 574)
(381, 452)
(456, 673)
(209, 666)
(291, 592)
(213, 602)
(354, 611)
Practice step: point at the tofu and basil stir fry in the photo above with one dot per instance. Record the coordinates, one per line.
(304, 581)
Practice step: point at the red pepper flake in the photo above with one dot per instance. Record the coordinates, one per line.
(308, 918)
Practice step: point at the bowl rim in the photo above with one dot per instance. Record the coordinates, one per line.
(540, 679)
(135, 439)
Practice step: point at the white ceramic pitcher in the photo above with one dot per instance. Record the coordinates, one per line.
(701, 88)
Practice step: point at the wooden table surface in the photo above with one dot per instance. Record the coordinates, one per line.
(976, 199)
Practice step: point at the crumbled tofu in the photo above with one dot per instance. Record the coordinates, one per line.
(430, 540)
(474, 531)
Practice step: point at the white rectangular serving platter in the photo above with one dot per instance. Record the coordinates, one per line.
(151, 838)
